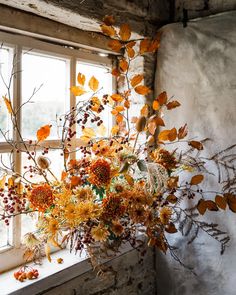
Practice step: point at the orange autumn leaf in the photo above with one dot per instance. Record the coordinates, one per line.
(127, 104)
(43, 132)
(155, 105)
(8, 105)
(125, 32)
(130, 52)
(130, 44)
(201, 207)
(108, 30)
(109, 20)
(75, 181)
(144, 110)
(119, 118)
(123, 64)
(115, 45)
(137, 79)
(159, 121)
(211, 205)
(166, 135)
(115, 129)
(154, 45)
(142, 89)
(220, 202)
(93, 84)
(152, 127)
(162, 98)
(172, 105)
(81, 79)
(63, 175)
(77, 90)
(143, 47)
(117, 97)
(196, 179)
(182, 132)
(96, 103)
(66, 153)
(115, 72)
(196, 144)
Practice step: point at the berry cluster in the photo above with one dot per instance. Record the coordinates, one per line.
(25, 273)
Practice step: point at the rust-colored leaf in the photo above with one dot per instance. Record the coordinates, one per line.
(93, 84)
(141, 123)
(173, 134)
(75, 181)
(159, 121)
(171, 229)
(115, 72)
(231, 200)
(196, 179)
(154, 45)
(77, 90)
(117, 97)
(144, 45)
(137, 79)
(109, 20)
(162, 98)
(81, 79)
(172, 199)
(127, 104)
(196, 144)
(130, 44)
(144, 110)
(130, 52)
(183, 131)
(155, 105)
(201, 207)
(142, 89)
(211, 205)
(220, 202)
(152, 127)
(115, 45)
(8, 105)
(63, 175)
(119, 118)
(125, 32)
(43, 132)
(108, 30)
(123, 64)
(172, 105)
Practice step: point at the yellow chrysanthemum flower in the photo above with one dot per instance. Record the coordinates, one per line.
(99, 233)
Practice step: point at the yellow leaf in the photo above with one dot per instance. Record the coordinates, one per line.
(43, 132)
(142, 89)
(47, 252)
(108, 30)
(130, 52)
(88, 132)
(96, 103)
(123, 64)
(155, 105)
(102, 130)
(77, 90)
(2, 182)
(115, 129)
(8, 105)
(119, 108)
(136, 80)
(115, 45)
(85, 139)
(196, 179)
(117, 97)
(125, 32)
(162, 98)
(144, 110)
(93, 84)
(81, 79)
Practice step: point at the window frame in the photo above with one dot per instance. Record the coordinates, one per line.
(11, 256)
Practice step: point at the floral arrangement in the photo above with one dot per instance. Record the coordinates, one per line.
(119, 186)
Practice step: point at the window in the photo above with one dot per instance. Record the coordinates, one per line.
(44, 73)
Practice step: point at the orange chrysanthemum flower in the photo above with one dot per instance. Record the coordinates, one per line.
(100, 173)
(41, 197)
(112, 207)
(165, 215)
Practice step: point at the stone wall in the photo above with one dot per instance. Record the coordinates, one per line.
(129, 273)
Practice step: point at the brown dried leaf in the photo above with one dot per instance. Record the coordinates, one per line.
(220, 202)
(108, 30)
(152, 127)
(183, 131)
(115, 45)
(172, 104)
(109, 20)
(162, 98)
(196, 179)
(125, 32)
(201, 207)
(196, 144)
(172, 199)
(144, 110)
(211, 205)
(171, 229)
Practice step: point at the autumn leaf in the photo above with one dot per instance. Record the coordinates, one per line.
(123, 64)
(115, 45)
(109, 20)
(130, 44)
(183, 131)
(154, 45)
(102, 130)
(220, 202)
(196, 144)
(211, 205)
(28, 255)
(63, 175)
(155, 105)
(95, 104)
(75, 181)
(115, 129)
(115, 72)
(172, 104)
(43, 132)
(142, 89)
(173, 182)
(130, 52)
(162, 98)
(93, 84)
(171, 229)
(231, 200)
(168, 135)
(141, 123)
(127, 104)
(89, 132)
(119, 118)
(125, 32)
(117, 97)
(159, 121)
(108, 30)
(77, 90)
(152, 127)
(201, 207)
(137, 79)
(66, 153)
(81, 79)
(172, 199)
(144, 110)
(196, 179)
(129, 179)
(143, 47)
(8, 105)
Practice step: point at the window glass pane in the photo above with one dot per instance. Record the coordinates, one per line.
(102, 74)
(5, 230)
(48, 75)
(5, 74)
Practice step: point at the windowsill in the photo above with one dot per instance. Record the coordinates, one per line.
(51, 274)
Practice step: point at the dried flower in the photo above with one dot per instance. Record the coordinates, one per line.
(41, 197)
(165, 215)
(43, 162)
(100, 173)
(99, 233)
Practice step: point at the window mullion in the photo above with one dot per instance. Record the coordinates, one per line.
(16, 137)
(73, 102)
